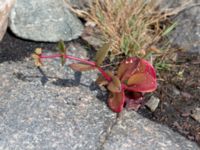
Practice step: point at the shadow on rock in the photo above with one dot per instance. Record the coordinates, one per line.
(70, 82)
(16, 49)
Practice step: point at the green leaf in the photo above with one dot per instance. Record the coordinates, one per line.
(61, 47)
(81, 67)
(169, 29)
(102, 53)
(62, 51)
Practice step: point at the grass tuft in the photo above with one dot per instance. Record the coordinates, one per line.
(132, 27)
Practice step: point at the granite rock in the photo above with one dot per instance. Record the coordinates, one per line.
(47, 20)
(81, 4)
(133, 132)
(187, 33)
(57, 111)
(56, 108)
(5, 8)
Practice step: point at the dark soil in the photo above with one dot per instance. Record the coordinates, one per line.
(14, 49)
(178, 90)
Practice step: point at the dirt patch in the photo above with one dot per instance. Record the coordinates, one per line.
(179, 92)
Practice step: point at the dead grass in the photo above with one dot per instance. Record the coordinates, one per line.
(133, 27)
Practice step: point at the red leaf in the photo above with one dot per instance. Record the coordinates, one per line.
(142, 83)
(127, 68)
(81, 67)
(132, 66)
(115, 85)
(143, 78)
(148, 68)
(116, 102)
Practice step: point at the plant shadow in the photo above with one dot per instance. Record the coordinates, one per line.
(100, 93)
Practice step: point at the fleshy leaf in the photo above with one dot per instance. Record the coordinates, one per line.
(81, 67)
(37, 60)
(62, 51)
(142, 82)
(116, 102)
(102, 53)
(115, 85)
(143, 79)
(101, 81)
(127, 68)
(145, 66)
(138, 78)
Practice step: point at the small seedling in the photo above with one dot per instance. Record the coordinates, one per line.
(134, 77)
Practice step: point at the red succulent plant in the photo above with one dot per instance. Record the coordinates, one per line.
(134, 77)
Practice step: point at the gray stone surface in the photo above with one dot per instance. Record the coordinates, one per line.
(133, 132)
(44, 20)
(5, 8)
(62, 112)
(187, 33)
(81, 4)
(60, 115)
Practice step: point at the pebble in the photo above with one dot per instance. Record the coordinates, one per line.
(196, 114)
(153, 103)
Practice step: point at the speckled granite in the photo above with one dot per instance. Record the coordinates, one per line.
(187, 33)
(133, 132)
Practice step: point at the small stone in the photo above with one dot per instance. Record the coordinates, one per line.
(153, 103)
(196, 114)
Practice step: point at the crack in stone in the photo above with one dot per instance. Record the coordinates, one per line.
(108, 132)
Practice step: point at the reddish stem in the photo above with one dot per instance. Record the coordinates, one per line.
(81, 60)
(106, 76)
(51, 56)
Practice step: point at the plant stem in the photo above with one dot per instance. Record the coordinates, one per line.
(81, 60)
(91, 63)
(51, 56)
(106, 76)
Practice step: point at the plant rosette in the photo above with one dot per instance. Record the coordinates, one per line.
(134, 77)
